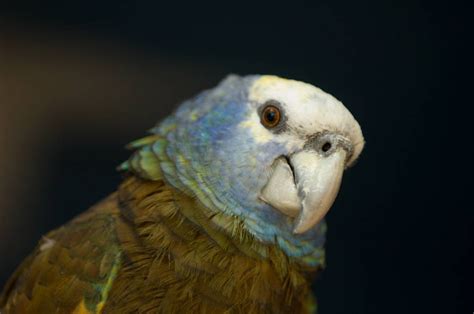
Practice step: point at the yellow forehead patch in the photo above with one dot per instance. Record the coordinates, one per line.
(289, 91)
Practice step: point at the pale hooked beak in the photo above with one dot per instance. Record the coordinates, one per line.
(305, 185)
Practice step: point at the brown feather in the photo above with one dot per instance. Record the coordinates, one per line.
(150, 248)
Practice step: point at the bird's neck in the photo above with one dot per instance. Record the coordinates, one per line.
(178, 229)
(236, 215)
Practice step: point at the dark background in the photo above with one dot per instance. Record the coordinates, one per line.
(80, 79)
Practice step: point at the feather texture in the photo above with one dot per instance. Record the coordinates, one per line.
(152, 249)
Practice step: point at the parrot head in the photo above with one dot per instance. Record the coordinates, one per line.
(267, 150)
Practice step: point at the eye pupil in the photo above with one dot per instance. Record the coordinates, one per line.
(271, 116)
(326, 147)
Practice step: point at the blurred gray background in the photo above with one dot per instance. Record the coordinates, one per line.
(79, 80)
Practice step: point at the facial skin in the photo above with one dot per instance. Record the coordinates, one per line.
(322, 139)
(268, 150)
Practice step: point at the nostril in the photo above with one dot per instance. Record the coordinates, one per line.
(326, 147)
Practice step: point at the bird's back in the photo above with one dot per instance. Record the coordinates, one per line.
(149, 248)
(71, 268)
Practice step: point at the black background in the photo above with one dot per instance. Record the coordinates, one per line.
(400, 237)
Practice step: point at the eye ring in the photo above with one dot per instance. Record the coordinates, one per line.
(270, 116)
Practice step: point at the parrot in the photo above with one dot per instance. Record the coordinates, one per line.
(221, 209)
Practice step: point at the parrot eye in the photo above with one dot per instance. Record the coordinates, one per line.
(270, 116)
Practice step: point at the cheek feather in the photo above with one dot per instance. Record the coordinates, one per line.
(259, 133)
